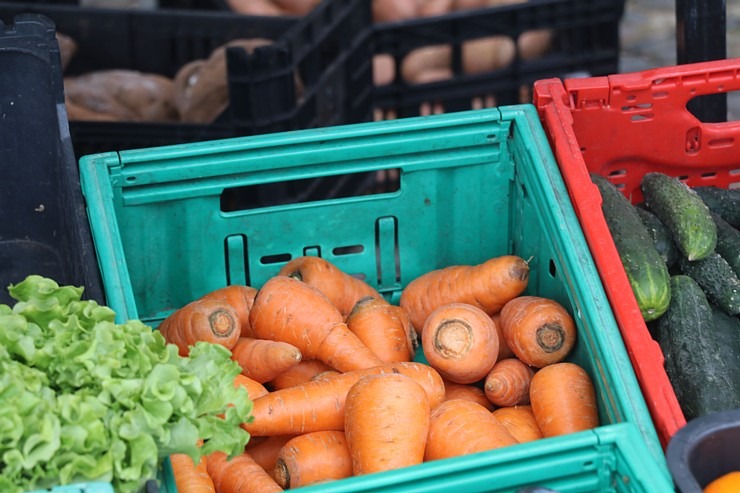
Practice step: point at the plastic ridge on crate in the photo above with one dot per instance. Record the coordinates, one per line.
(473, 185)
(623, 126)
(92, 487)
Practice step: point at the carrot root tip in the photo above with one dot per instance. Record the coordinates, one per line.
(453, 338)
(550, 337)
(520, 270)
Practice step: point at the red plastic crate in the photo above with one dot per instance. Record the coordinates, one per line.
(623, 126)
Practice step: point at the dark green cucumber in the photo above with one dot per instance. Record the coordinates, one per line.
(717, 280)
(727, 330)
(728, 242)
(725, 202)
(661, 235)
(702, 381)
(683, 212)
(646, 271)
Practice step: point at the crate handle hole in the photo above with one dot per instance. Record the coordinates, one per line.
(348, 250)
(713, 108)
(275, 259)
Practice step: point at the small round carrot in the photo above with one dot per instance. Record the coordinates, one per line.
(254, 388)
(504, 351)
(319, 405)
(189, 477)
(207, 320)
(262, 359)
(470, 392)
(460, 342)
(459, 427)
(520, 422)
(563, 399)
(487, 286)
(265, 452)
(386, 423)
(507, 384)
(313, 457)
(239, 475)
(384, 328)
(241, 298)
(298, 374)
(341, 288)
(538, 330)
(292, 311)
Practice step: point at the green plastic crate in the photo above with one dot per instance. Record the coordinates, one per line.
(92, 487)
(473, 185)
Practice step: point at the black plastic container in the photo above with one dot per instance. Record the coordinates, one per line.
(44, 228)
(704, 449)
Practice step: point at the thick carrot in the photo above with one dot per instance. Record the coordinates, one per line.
(292, 311)
(212, 321)
(520, 422)
(470, 392)
(459, 427)
(254, 388)
(386, 423)
(191, 478)
(341, 288)
(262, 359)
(563, 399)
(538, 330)
(460, 341)
(319, 405)
(488, 286)
(504, 351)
(507, 384)
(384, 328)
(241, 298)
(298, 374)
(313, 457)
(265, 452)
(239, 475)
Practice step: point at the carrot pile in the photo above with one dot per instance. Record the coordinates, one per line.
(329, 365)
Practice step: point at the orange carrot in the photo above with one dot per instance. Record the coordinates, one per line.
(459, 427)
(241, 298)
(239, 475)
(212, 321)
(254, 388)
(265, 452)
(520, 422)
(460, 342)
(191, 478)
(262, 360)
(507, 384)
(292, 311)
(470, 392)
(487, 286)
(386, 423)
(319, 405)
(504, 351)
(538, 330)
(384, 328)
(325, 374)
(300, 373)
(341, 288)
(313, 457)
(563, 399)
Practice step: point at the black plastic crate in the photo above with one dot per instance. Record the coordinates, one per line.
(44, 229)
(585, 41)
(164, 4)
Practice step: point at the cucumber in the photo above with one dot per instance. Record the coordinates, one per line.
(727, 330)
(661, 235)
(725, 202)
(702, 381)
(728, 242)
(646, 271)
(683, 212)
(717, 280)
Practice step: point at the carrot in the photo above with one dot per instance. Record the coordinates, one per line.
(487, 286)
(313, 457)
(504, 351)
(538, 330)
(459, 427)
(563, 399)
(291, 311)
(460, 342)
(507, 384)
(325, 374)
(341, 288)
(386, 423)
(265, 452)
(520, 422)
(470, 392)
(254, 388)
(241, 298)
(212, 321)
(191, 478)
(239, 475)
(384, 328)
(262, 360)
(298, 374)
(319, 405)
